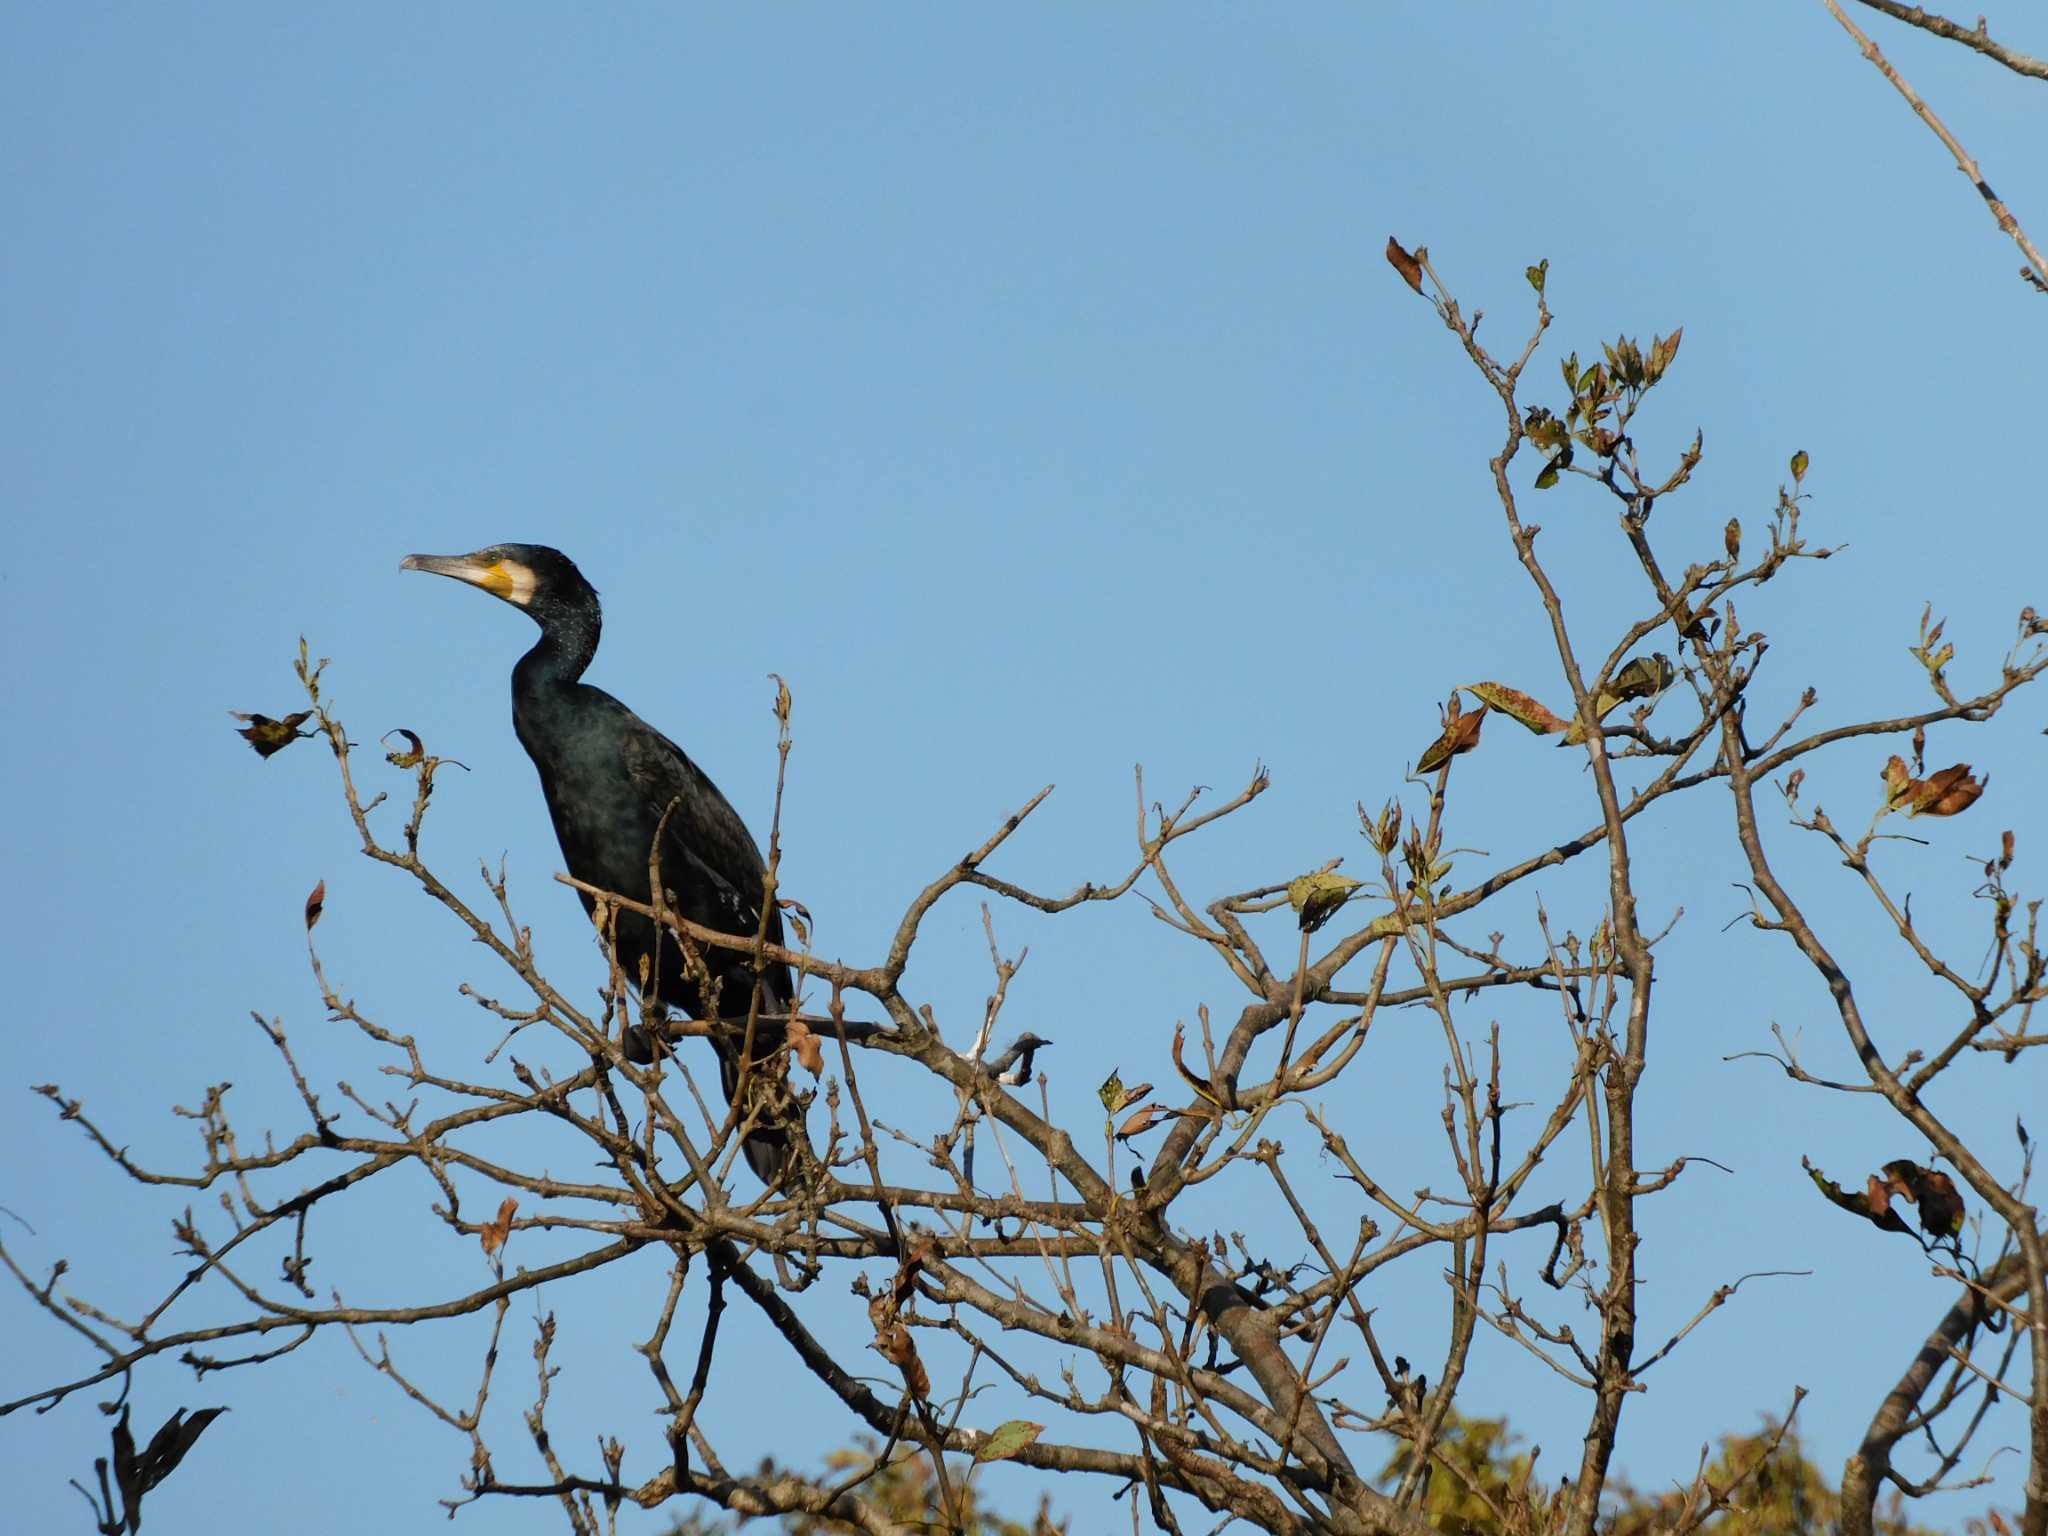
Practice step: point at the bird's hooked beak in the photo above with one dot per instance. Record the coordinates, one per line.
(508, 579)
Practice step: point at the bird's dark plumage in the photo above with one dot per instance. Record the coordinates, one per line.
(609, 777)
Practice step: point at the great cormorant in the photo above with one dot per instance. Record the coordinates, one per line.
(609, 777)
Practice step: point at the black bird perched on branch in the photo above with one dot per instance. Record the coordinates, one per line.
(610, 778)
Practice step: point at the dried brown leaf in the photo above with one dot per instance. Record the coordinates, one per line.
(808, 1049)
(1405, 264)
(1460, 734)
(499, 1228)
(1142, 1120)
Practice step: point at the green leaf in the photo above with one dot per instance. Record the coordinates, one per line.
(1548, 478)
(1799, 466)
(1008, 1439)
(1536, 274)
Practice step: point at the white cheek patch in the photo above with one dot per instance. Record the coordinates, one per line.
(519, 582)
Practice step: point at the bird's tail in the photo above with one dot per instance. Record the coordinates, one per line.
(767, 1144)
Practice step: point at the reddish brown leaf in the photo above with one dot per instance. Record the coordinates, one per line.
(495, 1232)
(1934, 1192)
(1872, 1203)
(1142, 1120)
(806, 1047)
(1951, 790)
(896, 1346)
(1460, 734)
(1731, 539)
(315, 905)
(1409, 268)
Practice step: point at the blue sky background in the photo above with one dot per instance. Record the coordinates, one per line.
(1031, 393)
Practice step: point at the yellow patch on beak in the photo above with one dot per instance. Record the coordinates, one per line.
(507, 579)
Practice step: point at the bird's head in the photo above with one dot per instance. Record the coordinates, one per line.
(533, 577)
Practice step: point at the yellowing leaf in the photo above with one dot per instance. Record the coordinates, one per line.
(1316, 898)
(1643, 678)
(1518, 706)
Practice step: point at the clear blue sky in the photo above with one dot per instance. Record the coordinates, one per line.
(1031, 393)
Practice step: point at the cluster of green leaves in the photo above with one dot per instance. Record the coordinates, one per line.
(1600, 399)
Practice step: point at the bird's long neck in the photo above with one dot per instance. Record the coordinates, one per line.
(567, 643)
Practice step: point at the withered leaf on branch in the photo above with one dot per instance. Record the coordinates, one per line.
(1662, 350)
(1731, 539)
(896, 1346)
(1646, 677)
(1142, 1119)
(1643, 678)
(496, 1231)
(1409, 268)
(415, 749)
(913, 1265)
(315, 905)
(1939, 794)
(799, 917)
(1873, 1202)
(1006, 1440)
(808, 1049)
(270, 736)
(1518, 706)
(1460, 734)
(1199, 1084)
(1932, 1191)
(136, 1474)
(1317, 898)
